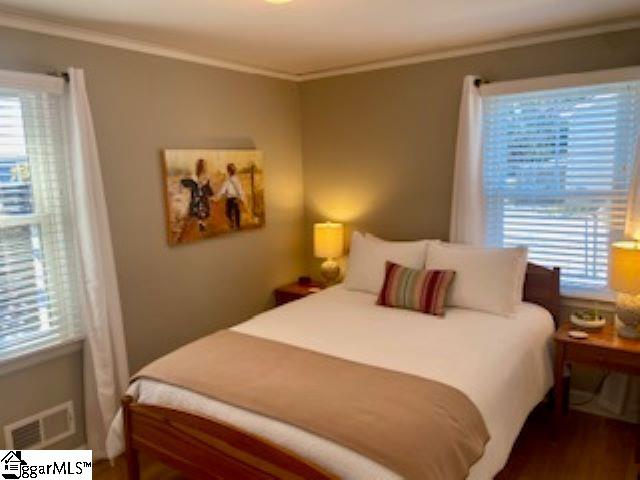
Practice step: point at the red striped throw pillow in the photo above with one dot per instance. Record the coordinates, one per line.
(421, 290)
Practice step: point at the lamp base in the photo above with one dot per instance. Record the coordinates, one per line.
(330, 271)
(628, 316)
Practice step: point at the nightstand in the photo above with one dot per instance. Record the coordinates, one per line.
(603, 349)
(295, 291)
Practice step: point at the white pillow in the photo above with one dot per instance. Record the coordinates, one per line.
(368, 256)
(486, 279)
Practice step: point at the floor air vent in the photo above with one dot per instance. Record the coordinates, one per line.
(41, 429)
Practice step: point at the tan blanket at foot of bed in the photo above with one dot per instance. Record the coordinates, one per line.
(419, 428)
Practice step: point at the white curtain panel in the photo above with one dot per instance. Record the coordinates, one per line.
(467, 205)
(632, 229)
(106, 372)
(620, 392)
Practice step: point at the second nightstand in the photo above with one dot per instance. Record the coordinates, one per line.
(295, 291)
(602, 349)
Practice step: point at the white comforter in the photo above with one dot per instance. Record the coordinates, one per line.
(502, 364)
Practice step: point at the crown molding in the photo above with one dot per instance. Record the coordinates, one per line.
(515, 42)
(47, 27)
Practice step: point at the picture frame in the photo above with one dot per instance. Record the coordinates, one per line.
(212, 192)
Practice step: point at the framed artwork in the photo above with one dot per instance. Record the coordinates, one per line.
(212, 192)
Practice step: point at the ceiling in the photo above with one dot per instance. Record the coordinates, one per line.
(311, 36)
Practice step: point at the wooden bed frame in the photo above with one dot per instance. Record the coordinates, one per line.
(203, 448)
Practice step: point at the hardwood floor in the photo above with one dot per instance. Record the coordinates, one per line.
(588, 448)
(150, 470)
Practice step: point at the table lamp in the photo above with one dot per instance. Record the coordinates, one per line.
(624, 278)
(328, 243)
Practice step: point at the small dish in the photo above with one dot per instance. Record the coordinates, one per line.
(588, 324)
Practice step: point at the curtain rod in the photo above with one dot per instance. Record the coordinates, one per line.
(480, 81)
(59, 74)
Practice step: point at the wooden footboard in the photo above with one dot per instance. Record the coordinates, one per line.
(202, 448)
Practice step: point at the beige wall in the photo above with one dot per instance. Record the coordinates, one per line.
(142, 104)
(378, 147)
(39, 387)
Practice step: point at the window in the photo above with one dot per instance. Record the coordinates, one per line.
(557, 169)
(37, 304)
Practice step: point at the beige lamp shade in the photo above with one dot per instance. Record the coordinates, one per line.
(328, 240)
(624, 267)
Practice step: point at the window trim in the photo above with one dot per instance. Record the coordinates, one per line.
(553, 82)
(604, 294)
(22, 220)
(41, 354)
(31, 81)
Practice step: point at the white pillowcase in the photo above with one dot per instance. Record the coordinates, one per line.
(369, 254)
(486, 279)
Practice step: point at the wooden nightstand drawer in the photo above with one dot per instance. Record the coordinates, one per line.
(294, 291)
(285, 297)
(584, 353)
(607, 358)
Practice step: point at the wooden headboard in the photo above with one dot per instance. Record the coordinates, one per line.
(542, 287)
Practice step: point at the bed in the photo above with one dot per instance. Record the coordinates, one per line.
(502, 364)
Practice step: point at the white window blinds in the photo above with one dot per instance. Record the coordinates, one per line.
(557, 169)
(37, 286)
